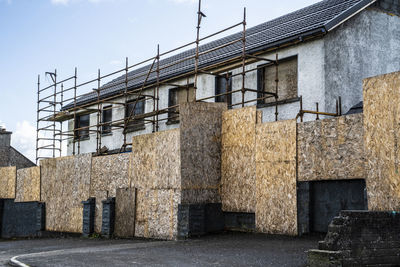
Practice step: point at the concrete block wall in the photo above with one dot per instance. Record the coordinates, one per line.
(360, 238)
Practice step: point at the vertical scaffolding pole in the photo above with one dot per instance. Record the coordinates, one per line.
(37, 121)
(73, 126)
(61, 123)
(158, 85)
(54, 112)
(244, 57)
(154, 98)
(196, 66)
(98, 126)
(125, 102)
(276, 84)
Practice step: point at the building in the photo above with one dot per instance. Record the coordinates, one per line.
(323, 52)
(9, 156)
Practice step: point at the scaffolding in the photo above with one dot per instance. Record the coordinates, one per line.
(64, 99)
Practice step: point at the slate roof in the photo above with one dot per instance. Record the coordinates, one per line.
(318, 18)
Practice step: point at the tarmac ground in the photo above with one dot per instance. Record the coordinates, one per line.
(227, 249)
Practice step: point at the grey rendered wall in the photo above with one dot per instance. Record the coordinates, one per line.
(364, 46)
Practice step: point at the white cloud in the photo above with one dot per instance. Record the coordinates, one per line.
(24, 139)
(60, 2)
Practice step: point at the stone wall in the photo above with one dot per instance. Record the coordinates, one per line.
(360, 238)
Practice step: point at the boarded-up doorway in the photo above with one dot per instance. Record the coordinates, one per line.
(320, 201)
(328, 198)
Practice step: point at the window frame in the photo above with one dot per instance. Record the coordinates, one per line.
(260, 83)
(81, 134)
(106, 129)
(228, 97)
(172, 113)
(137, 124)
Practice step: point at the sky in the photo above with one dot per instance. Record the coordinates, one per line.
(38, 36)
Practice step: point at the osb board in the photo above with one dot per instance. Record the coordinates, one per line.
(200, 196)
(155, 160)
(65, 184)
(28, 185)
(8, 176)
(107, 174)
(238, 170)
(331, 149)
(157, 213)
(47, 173)
(382, 135)
(276, 203)
(125, 212)
(200, 141)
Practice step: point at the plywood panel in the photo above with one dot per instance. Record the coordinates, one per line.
(200, 142)
(238, 160)
(65, 184)
(331, 149)
(381, 136)
(125, 212)
(157, 213)
(276, 204)
(8, 176)
(28, 185)
(107, 174)
(155, 160)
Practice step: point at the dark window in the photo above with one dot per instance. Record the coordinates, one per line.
(82, 121)
(287, 76)
(178, 96)
(223, 85)
(106, 118)
(130, 111)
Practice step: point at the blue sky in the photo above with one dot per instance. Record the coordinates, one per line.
(40, 35)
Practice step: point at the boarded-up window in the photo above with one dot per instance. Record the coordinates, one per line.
(287, 76)
(178, 96)
(132, 109)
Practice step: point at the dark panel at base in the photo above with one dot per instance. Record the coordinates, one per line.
(240, 221)
(89, 207)
(328, 198)
(303, 208)
(22, 219)
(199, 219)
(108, 217)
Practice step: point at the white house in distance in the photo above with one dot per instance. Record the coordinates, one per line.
(324, 51)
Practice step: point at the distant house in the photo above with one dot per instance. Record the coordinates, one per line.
(325, 50)
(9, 156)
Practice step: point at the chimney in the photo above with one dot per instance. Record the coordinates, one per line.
(5, 137)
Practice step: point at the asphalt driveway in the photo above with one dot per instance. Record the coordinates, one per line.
(228, 249)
